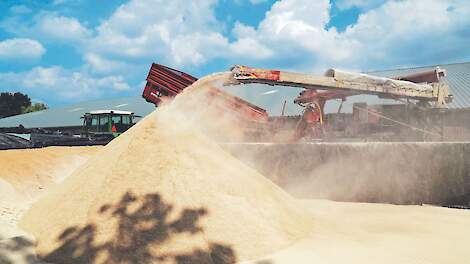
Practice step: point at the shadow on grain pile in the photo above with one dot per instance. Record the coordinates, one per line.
(20, 247)
(138, 230)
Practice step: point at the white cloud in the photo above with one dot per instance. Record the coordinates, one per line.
(363, 4)
(20, 9)
(292, 35)
(187, 34)
(286, 15)
(398, 33)
(48, 27)
(293, 30)
(41, 82)
(246, 44)
(179, 33)
(61, 28)
(249, 47)
(255, 2)
(59, 2)
(20, 48)
(411, 32)
(197, 48)
(102, 65)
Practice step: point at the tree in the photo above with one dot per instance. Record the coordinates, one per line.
(33, 108)
(12, 103)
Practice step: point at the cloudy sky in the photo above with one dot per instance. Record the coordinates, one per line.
(65, 51)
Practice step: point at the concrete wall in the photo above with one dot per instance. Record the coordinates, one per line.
(399, 173)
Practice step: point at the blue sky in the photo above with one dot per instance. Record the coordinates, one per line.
(64, 51)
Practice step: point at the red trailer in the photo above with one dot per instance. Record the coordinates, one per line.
(163, 81)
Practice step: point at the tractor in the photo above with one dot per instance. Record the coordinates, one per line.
(107, 122)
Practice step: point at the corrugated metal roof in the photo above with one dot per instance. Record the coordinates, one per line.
(458, 79)
(70, 115)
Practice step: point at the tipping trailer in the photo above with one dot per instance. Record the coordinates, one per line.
(164, 83)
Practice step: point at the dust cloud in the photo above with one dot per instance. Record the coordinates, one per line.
(381, 172)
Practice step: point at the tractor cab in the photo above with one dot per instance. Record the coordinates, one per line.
(109, 122)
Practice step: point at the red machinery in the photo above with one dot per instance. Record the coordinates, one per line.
(425, 87)
(313, 101)
(164, 82)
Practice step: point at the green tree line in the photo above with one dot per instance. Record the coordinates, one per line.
(17, 103)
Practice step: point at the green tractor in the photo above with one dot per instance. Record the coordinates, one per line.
(107, 122)
(99, 128)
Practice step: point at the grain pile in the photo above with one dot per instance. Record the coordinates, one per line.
(164, 192)
(359, 233)
(25, 174)
(37, 168)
